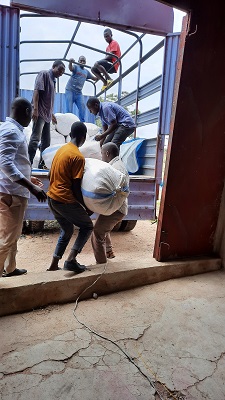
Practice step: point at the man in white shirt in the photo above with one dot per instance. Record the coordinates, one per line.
(100, 238)
(16, 184)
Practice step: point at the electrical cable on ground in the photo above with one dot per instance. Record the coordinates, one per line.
(110, 340)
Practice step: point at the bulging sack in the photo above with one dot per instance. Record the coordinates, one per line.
(49, 153)
(103, 187)
(91, 149)
(64, 122)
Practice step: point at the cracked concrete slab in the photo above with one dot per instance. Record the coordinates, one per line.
(174, 331)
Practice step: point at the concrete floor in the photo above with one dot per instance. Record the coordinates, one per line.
(173, 330)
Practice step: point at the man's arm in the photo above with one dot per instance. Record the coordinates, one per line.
(90, 76)
(76, 189)
(34, 189)
(35, 103)
(8, 149)
(71, 62)
(106, 132)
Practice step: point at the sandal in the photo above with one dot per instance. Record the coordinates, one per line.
(110, 254)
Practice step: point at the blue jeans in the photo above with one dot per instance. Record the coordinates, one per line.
(40, 131)
(77, 98)
(67, 216)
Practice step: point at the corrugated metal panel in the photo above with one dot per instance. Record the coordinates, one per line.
(168, 81)
(59, 105)
(9, 58)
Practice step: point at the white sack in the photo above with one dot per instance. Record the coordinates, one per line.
(57, 137)
(49, 153)
(64, 122)
(27, 131)
(92, 129)
(91, 149)
(103, 187)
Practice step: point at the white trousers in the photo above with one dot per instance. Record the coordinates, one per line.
(12, 209)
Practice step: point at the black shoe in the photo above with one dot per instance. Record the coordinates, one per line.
(16, 272)
(74, 266)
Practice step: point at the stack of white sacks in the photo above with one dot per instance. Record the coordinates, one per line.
(104, 188)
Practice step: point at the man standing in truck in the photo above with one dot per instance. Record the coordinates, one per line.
(75, 85)
(117, 123)
(43, 102)
(15, 184)
(103, 68)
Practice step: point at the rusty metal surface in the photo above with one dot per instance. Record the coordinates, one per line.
(195, 166)
(147, 16)
(9, 58)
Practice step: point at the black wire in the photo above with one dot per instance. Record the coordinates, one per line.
(110, 340)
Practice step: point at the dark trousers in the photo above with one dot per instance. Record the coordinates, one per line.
(118, 136)
(40, 132)
(67, 216)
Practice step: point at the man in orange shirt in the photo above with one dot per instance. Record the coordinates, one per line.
(103, 68)
(66, 201)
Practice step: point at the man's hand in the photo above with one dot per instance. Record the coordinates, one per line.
(54, 120)
(38, 193)
(36, 181)
(98, 138)
(72, 60)
(35, 114)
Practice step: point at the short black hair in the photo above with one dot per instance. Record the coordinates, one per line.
(92, 100)
(78, 130)
(108, 30)
(57, 63)
(112, 148)
(20, 104)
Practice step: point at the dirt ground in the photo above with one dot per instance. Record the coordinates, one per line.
(35, 250)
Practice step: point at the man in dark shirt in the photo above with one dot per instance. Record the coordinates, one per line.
(43, 102)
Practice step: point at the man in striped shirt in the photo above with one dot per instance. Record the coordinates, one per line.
(43, 102)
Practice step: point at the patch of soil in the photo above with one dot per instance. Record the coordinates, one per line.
(35, 250)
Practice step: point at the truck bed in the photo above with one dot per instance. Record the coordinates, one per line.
(141, 200)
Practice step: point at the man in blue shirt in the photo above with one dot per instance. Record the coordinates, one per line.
(117, 123)
(75, 85)
(16, 184)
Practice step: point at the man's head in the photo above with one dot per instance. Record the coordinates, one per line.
(109, 151)
(93, 105)
(21, 111)
(58, 68)
(78, 133)
(82, 61)
(108, 35)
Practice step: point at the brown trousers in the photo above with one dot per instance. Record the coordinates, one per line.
(100, 238)
(12, 209)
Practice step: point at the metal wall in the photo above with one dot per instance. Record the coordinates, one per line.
(145, 15)
(195, 166)
(9, 58)
(60, 105)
